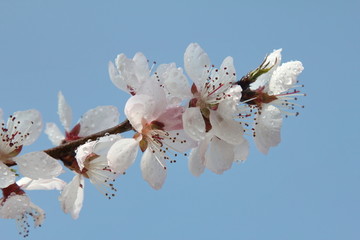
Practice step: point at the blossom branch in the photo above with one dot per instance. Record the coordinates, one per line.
(63, 151)
(66, 152)
(220, 112)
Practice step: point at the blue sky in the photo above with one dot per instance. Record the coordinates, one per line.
(306, 188)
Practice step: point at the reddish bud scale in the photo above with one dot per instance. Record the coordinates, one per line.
(13, 188)
(193, 102)
(73, 134)
(257, 97)
(194, 89)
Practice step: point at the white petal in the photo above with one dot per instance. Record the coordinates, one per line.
(194, 124)
(143, 107)
(163, 72)
(174, 80)
(196, 162)
(38, 165)
(103, 144)
(122, 154)
(226, 129)
(28, 123)
(152, 88)
(14, 206)
(219, 156)
(134, 72)
(64, 111)
(98, 119)
(100, 147)
(179, 141)
(115, 77)
(235, 91)
(135, 111)
(54, 133)
(126, 68)
(82, 152)
(72, 197)
(241, 151)
(285, 77)
(267, 131)
(229, 108)
(142, 70)
(26, 183)
(196, 62)
(227, 72)
(152, 171)
(7, 177)
(19, 207)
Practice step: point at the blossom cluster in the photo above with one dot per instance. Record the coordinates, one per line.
(205, 113)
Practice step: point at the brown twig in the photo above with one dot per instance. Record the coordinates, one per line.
(65, 151)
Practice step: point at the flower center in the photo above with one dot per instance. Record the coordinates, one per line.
(151, 132)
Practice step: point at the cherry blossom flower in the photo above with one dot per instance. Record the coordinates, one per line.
(271, 89)
(220, 147)
(15, 204)
(212, 89)
(23, 128)
(130, 75)
(94, 120)
(92, 163)
(159, 133)
(213, 107)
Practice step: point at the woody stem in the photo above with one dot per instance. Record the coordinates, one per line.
(68, 149)
(66, 152)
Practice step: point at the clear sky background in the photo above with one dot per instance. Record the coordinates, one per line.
(306, 188)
